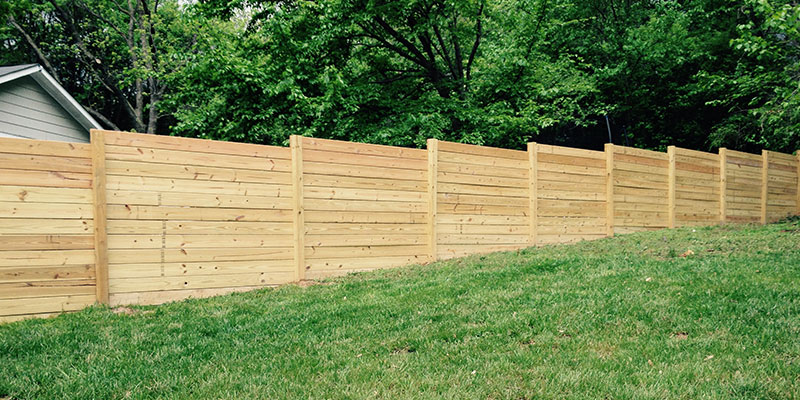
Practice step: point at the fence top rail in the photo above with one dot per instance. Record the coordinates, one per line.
(463, 148)
(341, 146)
(746, 156)
(633, 151)
(774, 155)
(570, 151)
(697, 153)
(194, 145)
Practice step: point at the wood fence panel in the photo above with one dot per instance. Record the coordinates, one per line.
(697, 188)
(641, 189)
(571, 194)
(743, 187)
(482, 199)
(46, 228)
(781, 186)
(189, 217)
(193, 218)
(366, 206)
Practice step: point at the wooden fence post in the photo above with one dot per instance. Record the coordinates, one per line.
(764, 184)
(433, 172)
(671, 190)
(533, 193)
(798, 181)
(98, 146)
(723, 184)
(296, 144)
(609, 149)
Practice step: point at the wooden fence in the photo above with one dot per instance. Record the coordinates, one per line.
(142, 219)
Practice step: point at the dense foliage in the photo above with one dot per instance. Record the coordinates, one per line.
(696, 73)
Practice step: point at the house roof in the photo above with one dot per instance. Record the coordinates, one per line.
(35, 71)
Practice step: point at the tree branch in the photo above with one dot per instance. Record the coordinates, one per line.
(478, 34)
(102, 118)
(402, 40)
(32, 43)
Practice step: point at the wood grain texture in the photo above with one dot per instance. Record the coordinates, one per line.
(609, 150)
(298, 210)
(99, 203)
(533, 197)
(671, 187)
(764, 184)
(433, 191)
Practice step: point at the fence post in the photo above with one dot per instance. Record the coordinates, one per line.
(671, 190)
(533, 193)
(723, 184)
(797, 155)
(609, 149)
(296, 144)
(764, 184)
(433, 172)
(98, 146)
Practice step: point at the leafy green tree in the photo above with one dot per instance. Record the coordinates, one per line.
(113, 54)
(763, 100)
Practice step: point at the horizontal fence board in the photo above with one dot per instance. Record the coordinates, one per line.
(45, 163)
(129, 139)
(336, 193)
(32, 194)
(361, 171)
(521, 165)
(53, 288)
(45, 304)
(44, 148)
(56, 179)
(329, 157)
(472, 149)
(194, 172)
(363, 148)
(163, 296)
(205, 268)
(45, 226)
(160, 283)
(354, 182)
(30, 274)
(179, 157)
(351, 252)
(363, 229)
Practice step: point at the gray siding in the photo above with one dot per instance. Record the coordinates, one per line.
(27, 111)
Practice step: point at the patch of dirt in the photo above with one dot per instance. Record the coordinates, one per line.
(129, 311)
(310, 282)
(680, 335)
(404, 350)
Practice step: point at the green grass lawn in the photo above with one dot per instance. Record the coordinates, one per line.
(623, 318)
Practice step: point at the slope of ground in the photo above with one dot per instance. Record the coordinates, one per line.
(705, 313)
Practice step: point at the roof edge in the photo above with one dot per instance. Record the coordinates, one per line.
(34, 68)
(49, 84)
(57, 92)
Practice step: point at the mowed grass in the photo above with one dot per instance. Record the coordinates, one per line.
(621, 318)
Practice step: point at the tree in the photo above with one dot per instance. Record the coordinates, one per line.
(113, 53)
(388, 72)
(762, 95)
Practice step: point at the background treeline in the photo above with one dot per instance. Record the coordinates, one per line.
(695, 73)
